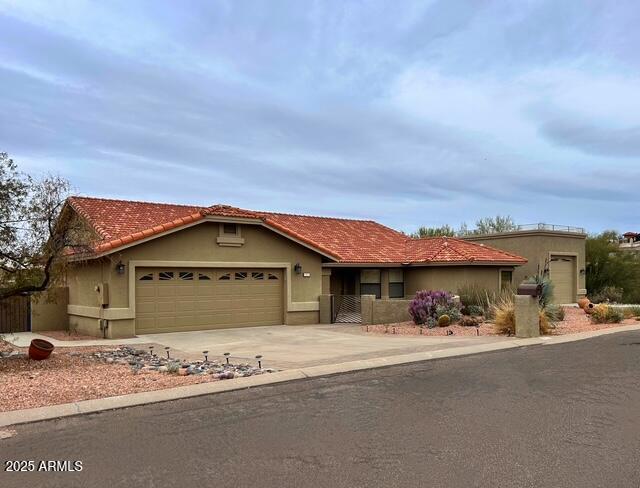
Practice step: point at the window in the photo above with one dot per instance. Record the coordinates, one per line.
(226, 276)
(506, 278)
(272, 277)
(147, 277)
(257, 275)
(203, 277)
(230, 229)
(185, 275)
(240, 275)
(165, 275)
(370, 289)
(396, 283)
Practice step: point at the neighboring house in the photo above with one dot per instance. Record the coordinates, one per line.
(630, 242)
(160, 267)
(558, 251)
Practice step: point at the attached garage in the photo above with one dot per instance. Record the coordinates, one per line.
(561, 274)
(177, 299)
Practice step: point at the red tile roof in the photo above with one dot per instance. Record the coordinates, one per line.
(119, 222)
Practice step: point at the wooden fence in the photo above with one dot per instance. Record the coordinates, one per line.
(15, 314)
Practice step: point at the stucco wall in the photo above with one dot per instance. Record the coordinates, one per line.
(49, 311)
(450, 278)
(198, 244)
(537, 246)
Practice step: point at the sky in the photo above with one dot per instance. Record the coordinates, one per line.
(409, 113)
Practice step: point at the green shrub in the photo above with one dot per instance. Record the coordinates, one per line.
(473, 310)
(608, 294)
(555, 313)
(472, 295)
(605, 314)
(453, 312)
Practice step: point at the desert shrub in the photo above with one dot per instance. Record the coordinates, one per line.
(468, 321)
(473, 310)
(453, 312)
(173, 367)
(608, 294)
(472, 295)
(544, 323)
(605, 314)
(635, 311)
(425, 304)
(555, 313)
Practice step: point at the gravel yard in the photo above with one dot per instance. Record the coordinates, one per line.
(83, 373)
(575, 321)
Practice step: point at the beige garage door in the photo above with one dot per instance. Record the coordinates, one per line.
(181, 299)
(561, 273)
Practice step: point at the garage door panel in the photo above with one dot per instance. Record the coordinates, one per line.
(247, 298)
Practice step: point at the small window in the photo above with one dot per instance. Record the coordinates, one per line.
(185, 275)
(371, 289)
(147, 277)
(506, 278)
(272, 276)
(226, 276)
(230, 229)
(258, 275)
(203, 277)
(240, 275)
(396, 290)
(165, 275)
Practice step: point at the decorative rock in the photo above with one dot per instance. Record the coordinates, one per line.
(163, 369)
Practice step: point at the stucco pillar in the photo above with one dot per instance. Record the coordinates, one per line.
(326, 281)
(366, 308)
(325, 309)
(384, 284)
(527, 316)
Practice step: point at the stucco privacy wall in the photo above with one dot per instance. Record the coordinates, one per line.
(537, 247)
(384, 311)
(49, 310)
(450, 278)
(196, 245)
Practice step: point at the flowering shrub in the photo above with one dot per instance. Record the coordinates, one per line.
(425, 306)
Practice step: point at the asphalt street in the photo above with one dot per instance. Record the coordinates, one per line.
(565, 415)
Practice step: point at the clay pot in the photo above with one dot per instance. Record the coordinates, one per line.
(589, 308)
(40, 349)
(583, 302)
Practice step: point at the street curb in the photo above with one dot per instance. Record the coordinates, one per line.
(17, 417)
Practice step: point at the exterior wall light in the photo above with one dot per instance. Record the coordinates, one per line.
(120, 268)
(298, 268)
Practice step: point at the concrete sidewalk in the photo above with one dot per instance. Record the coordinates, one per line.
(136, 399)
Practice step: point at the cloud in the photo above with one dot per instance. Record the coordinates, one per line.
(425, 113)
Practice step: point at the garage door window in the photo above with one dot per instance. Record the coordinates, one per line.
(241, 275)
(165, 275)
(272, 277)
(257, 276)
(203, 277)
(186, 275)
(226, 276)
(147, 277)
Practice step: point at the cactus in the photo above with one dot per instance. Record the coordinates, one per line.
(444, 321)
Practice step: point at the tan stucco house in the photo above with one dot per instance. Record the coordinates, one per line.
(161, 267)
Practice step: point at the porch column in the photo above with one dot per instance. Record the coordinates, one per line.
(326, 281)
(384, 283)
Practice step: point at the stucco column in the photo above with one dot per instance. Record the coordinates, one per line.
(366, 308)
(326, 281)
(325, 309)
(384, 284)
(527, 316)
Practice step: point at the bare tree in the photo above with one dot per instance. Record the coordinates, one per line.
(35, 233)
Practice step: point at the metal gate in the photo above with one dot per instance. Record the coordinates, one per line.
(15, 314)
(346, 309)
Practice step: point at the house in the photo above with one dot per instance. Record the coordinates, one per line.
(159, 267)
(630, 242)
(555, 250)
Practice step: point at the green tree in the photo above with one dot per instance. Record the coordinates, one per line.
(608, 266)
(34, 236)
(493, 225)
(445, 230)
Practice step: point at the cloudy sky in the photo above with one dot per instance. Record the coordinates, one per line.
(410, 113)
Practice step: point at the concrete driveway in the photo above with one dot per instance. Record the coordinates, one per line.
(285, 346)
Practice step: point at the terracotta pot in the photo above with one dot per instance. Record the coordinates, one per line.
(583, 302)
(589, 308)
(40, 349)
